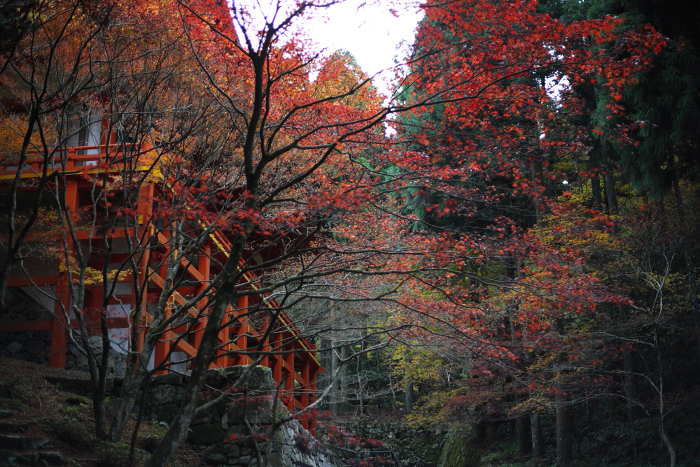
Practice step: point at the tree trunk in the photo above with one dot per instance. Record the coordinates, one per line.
(669, 446)
(99, 393)
(596, 192)
(179, 427)
(136, 379)
(482, 432)
(609, 179)
(522, 432)
(536, 433)
(610, 193)
(129, 395)
(633, 408)
(225, 295)
(360, 372)
(565, 450)
(409, 397)
(539, 178)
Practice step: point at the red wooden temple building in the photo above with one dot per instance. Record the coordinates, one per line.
(292, 358)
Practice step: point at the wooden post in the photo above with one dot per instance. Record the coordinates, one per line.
(144, 208)
(289, 383)
(276, 360)
(204, 268)
(267, 360)
(163, 346)
(242, 332)
(305, 373)
(59, 337)
(144, 205)
(312, 396)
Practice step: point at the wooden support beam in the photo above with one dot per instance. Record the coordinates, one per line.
(160, 282)
(19, 281)
(142, 306)
(289, 382)
(305, 373)
(276, 359)
(242, 331)
(182, 344)
(304, 397)
(187, 266)
(23, 326)
(312, 396)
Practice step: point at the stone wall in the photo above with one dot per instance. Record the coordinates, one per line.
(77, 360)
(415, 447)
(29, 346)
(220, 433)
(35, 346)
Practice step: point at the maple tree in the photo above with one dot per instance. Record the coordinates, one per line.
(504, 78)
(287, 128)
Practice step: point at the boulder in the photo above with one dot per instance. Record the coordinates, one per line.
(258, 411)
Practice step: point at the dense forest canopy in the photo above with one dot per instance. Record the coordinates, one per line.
(517, 253)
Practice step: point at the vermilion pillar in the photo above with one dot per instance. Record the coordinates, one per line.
(312, 396)
(305, 389)
(289, 383)
(204, 268)
(59, 326)
(242, 331)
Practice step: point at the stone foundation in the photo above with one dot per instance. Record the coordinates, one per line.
(29, 346)
(77, 360)
(35, 346)
(220, 433)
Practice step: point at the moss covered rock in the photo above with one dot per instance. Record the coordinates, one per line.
(457, 453)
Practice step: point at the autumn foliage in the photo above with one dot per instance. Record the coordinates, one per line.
(464, 235)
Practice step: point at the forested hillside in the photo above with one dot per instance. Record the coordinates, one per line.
(546, 171)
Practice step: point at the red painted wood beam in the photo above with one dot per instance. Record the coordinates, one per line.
(23, 326)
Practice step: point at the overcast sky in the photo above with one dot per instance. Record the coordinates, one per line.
(375, 33)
